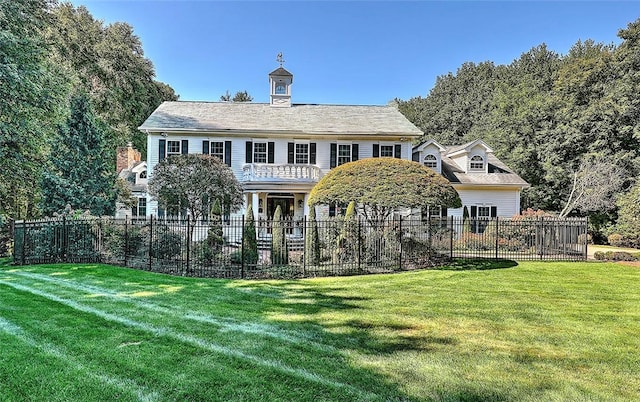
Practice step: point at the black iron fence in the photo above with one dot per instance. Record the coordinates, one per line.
(293, 248)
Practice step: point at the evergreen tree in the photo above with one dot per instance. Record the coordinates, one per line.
(279, 252)
(312, 239)
(78, 174)
(347, 242)
(249, 238)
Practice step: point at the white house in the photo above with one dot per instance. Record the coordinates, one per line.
(280, 150)
(487, 187)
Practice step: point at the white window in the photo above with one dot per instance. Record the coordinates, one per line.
(141, 208)
(484, 212)
(476, 163)
(217, 149)
(302, 153)
(260, 152)
(173, 148)
(281, 88)
(431, 161)
(386, 151)
(344, 154)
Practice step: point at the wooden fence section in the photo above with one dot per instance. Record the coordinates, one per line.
(231, 249)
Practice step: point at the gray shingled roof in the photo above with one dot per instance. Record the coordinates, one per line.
(499, 173)
(261, 117)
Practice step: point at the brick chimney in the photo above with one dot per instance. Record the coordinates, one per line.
(126, 157)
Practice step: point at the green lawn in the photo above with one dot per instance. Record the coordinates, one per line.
(527, 332)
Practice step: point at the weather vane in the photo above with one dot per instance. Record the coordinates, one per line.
(280, 59)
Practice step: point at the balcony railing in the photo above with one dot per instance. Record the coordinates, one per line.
(285, 172)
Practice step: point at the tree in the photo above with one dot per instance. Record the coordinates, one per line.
(628, 224)
(596, 184)
(279, 252)
(347, 243)
(312, 239)
(249, 238)
(381, 185)
(79, 175)
(195, 182)
(32, 94)
(240, 96)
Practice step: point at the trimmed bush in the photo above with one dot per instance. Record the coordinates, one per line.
(616, 240)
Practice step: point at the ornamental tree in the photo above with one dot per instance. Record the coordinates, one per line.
(195, 182)
(381, 185)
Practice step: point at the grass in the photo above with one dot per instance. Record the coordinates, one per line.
(526, 332)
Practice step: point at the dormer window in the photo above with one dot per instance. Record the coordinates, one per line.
(431, 161)
(143, 174)
(476, 163)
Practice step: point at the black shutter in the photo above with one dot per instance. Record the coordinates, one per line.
(312, 153)
(249, 154)
(354, 152)
(185, 147)
(415, 157)
(443, 212)
(227, 153)
(205, 147)
(376, 150)
(290, 153)
(162, 150)
(474, 211)
(333, 157)
(332, 209)
(271, 146)
(494, 212)
(397, 151)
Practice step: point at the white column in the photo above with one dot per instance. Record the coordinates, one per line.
(254, 204)
(306, 207)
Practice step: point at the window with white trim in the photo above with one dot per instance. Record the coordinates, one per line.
(431, 161)
(173, 147)
(386, 151)
(344, 154)
(260, 152)
(140, 209)
(484, 212)
(217, 149)
(302, 153)
(476, 163)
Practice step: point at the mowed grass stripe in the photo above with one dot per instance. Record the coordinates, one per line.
(223, 324)
(127, 386)
(195, 341)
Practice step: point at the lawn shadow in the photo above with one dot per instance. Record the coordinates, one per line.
(477, 264)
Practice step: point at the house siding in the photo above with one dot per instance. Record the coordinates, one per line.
(507, 201)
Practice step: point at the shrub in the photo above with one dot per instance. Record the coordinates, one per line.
(585, 237)
(249, 239)
(279, 253)
(599, 255)
(616, 240)
(166, 243)
(312, 239)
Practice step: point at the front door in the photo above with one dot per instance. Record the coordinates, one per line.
(286, 202)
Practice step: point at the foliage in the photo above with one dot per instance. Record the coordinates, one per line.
(348, 241)
(381, 185)
(249, 238)
(312, 239)
(628, 223)
(32, 93)
(165, 242)
(240, 96)
(545, 115)
(616, 256)
(279, 251)
(79, 175)
(195, 182)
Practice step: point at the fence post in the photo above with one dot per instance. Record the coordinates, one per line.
(150, 241)
(541, 237)
(451, 239)
(126, 239)
(24, 241)
(64, 239)
(304, 245)
(188, 243)
(497, 235)
(586, 237)
(359, 243)
(242, 249)
(400, 257)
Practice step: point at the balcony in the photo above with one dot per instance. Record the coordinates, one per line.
(268, 172)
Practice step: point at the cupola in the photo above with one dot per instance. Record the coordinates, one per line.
(280, 81)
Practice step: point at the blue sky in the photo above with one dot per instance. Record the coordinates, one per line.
(348, 52)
